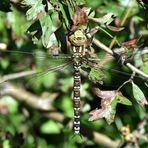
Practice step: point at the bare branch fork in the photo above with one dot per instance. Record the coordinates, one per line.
(108, 50)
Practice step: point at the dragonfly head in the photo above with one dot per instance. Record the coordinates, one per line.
(78, 38)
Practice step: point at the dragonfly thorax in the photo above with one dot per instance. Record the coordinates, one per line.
(78, 38)
(78, 51)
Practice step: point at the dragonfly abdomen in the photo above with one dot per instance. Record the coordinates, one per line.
(76, 97)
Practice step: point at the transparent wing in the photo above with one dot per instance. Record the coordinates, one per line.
(107, 70)
(38, 64)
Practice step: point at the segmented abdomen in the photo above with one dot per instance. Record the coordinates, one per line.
(76, 97)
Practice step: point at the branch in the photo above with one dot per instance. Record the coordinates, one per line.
(41, 103)
(105, 141)
(16, 75)
(108, 50)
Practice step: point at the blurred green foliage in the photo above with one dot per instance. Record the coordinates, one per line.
(23, 126)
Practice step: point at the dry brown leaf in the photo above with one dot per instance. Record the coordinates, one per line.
(80, 18)
(115, 29)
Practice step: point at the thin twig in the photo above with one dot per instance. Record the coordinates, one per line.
(130, 80)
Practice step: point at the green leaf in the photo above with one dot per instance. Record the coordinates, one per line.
(66, 105)
(36, 8)
(109, 102)
(49, 79)
(144, 67)
(11, 103)
(138, 95)
(48, 28)
(123, 100)
(6, 144)
(112, 107)
(111, 111)
(93, 4)
(95, 74)
(70, 8)
(66, 84)
(4, 63)
(59, 8)
(107, 110)
(141, 111)
(55, 20)
(51, 127)
(15, 20)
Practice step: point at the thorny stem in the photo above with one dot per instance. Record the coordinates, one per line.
(108, 50)
(130, 80)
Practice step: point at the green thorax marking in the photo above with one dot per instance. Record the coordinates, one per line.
(78, 38)
(78, 41)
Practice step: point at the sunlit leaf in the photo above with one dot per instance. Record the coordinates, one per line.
(4, 63)
(48, 28)
(70, 8)
(6, 144)
(64, 15)
(36, 9)
(55, 20)
(123, 100)
(49, 79)
(15, 20)
(138, 95)
(11, 103)
(51, 127)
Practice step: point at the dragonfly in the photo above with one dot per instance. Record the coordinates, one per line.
(79, 57)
